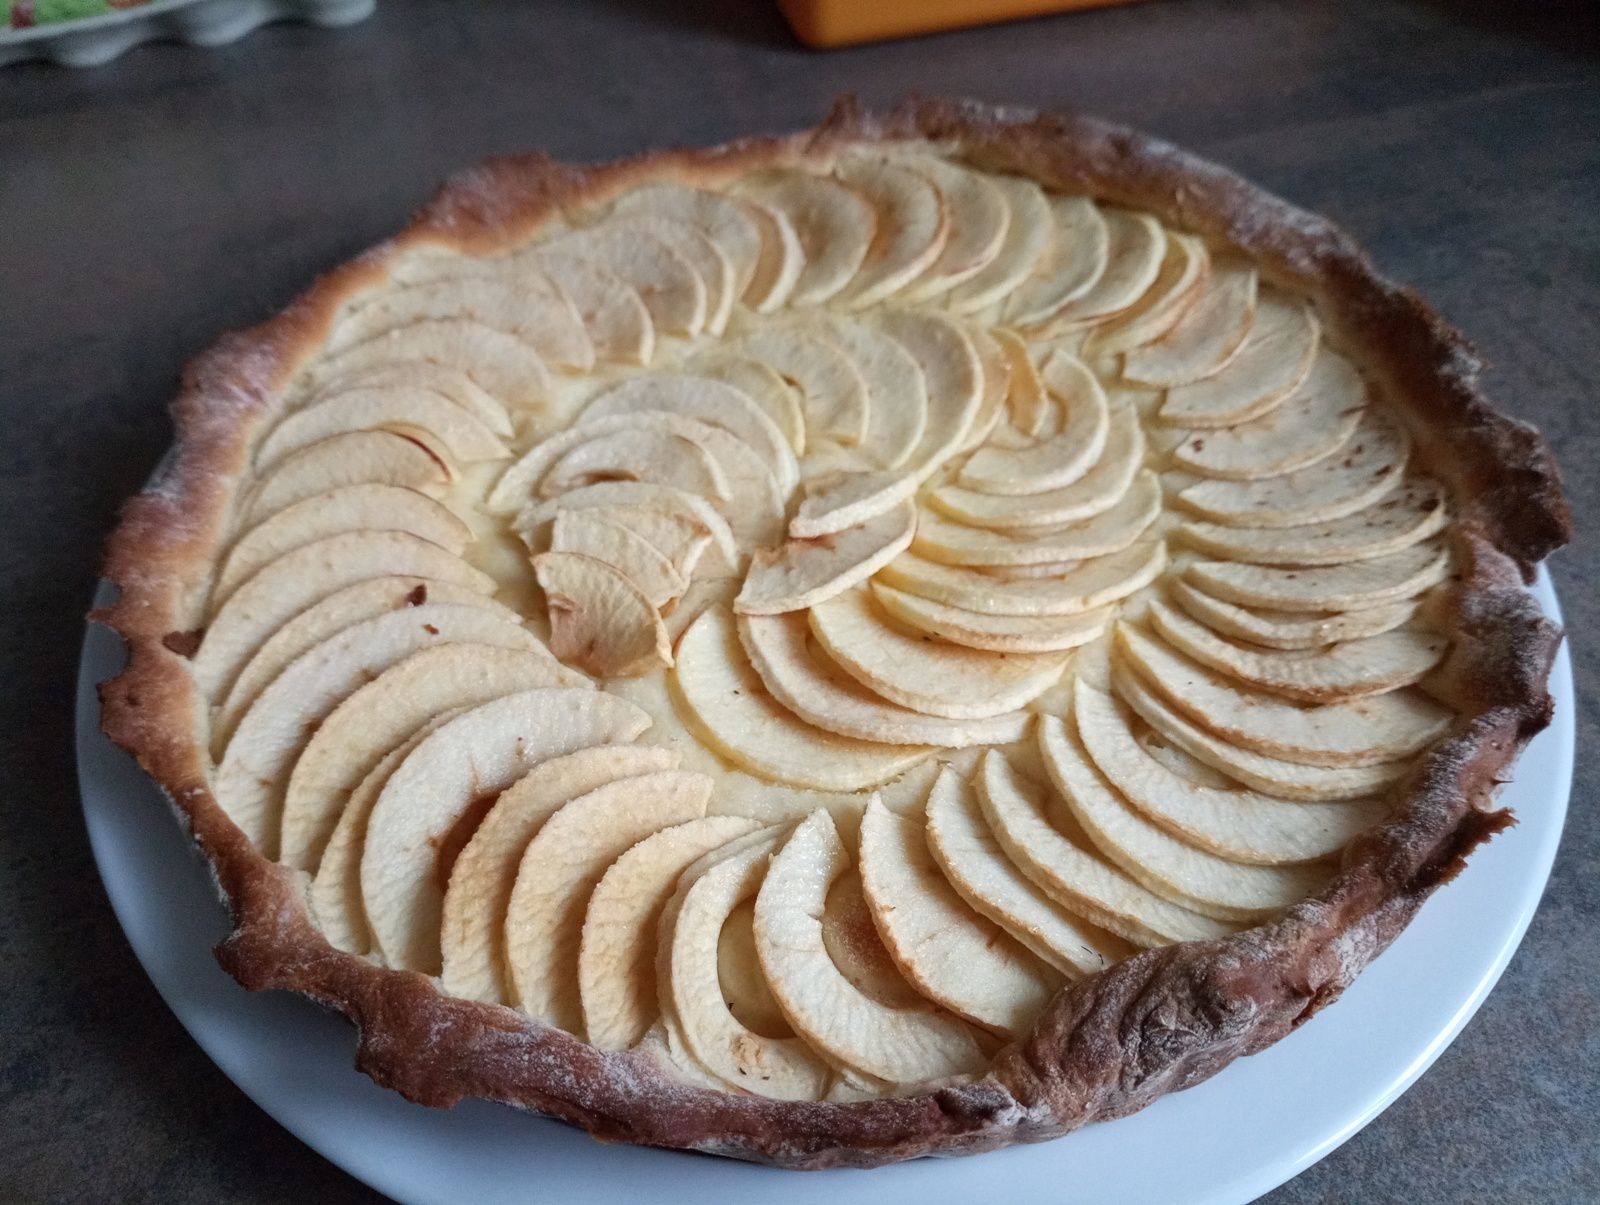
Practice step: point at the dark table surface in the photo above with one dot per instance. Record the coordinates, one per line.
(147, 205)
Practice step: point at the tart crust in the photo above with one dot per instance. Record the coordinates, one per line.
(1107, 1045)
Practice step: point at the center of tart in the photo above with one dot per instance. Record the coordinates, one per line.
(795, 624)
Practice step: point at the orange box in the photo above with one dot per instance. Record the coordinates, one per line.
(825, 23)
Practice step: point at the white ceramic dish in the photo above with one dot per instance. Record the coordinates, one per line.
(1227, 1141)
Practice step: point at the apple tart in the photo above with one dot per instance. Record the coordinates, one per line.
(897, 639)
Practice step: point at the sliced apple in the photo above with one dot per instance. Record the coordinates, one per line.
(592, 534)
(1362, 732)
(691, 989)
(1275, 359)
(377, 717)
(1185, 265)
(667, 283)
(781, 261)
(1136, 246)
(613, 314)
(720, 218)
(354, 458)
(1368, 583)
(1029, 239)
(992, 633)
(560, 869)
(725, 704)
(680, 539)
(941, 539)
(1078, 256)
(708, 260)
(509, 368)
(762, 384)
(1290, 629)
(1093, 583)
(960, 841)
(836, 502)
(250, 780)
(1029, 402)
(899, 1045)
(978, 218)
(600, 621)
(1060, 460)
(953, 375)
(1152, 856)
(995, 368)
(897, 389)
(450, 383)
(1271, 775)
(666, 453)
(925, 675)
(617, 956)
(832, 389)
(607, 494)
(1405, 517)
(1051, 850)
(834, 224)
(910, 229)
(1204, 338)
(803, 573)
(805, 681)
(478, 754)
(463, 437)
(472, 929)
(279, 591)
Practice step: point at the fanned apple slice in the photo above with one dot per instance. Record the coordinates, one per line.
(472, 930)
(1094, 583)
(591, 533)
(832, 389)
(1290, 629)
(617, 954)
(709, 401)
(995, 367)
(1185, 265)
(897, 389)
(1029, 402)
(366, 507)
(1271, 365)
(1098, 490)
(1369, 467)
(720, 218)
(953, 955)
(656, 450)
(1051, 851)
(449, 383)
(1313, 423)
(354, 458)
(836, 502)
(803, 573)
(1363, 732)
(462, 435)
(1406, 517)
(909, 233)
(762, 384)
(966, 851)
(1271, 775)
(726, 705)
(613, 315)
(834, 223)
(667, 283)
(600, 621)
(1156, 859)
(506, 366)
(690, 507)
(377, 717)
(899, 1045)
(254, 771)
(937, 679)
(1136, 245)
(278, 592)
(323, 620)
(781, 261)
(817, 691)
(992, 633)
(978, 219)
(1241, 825)
(532, 308)
(681, 539)
(1029, 238)
(1077, 257)
(480, 753)
(941, 539)
(1369, 583)
(953, 375)
(709, 261)
(1205, 338)
(560, 869)
(1366, 666)
(691, 989)
(1060, 460)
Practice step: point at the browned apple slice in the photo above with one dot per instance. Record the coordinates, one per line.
(1367, 583)
(600, 621)
(834, 223)
(507, 367)
(803, 573)
(1274, 360)
(1205, 337)
(1060, 460)
(1089, 584)
(1029, 237)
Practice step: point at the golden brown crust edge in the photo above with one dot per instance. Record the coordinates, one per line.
(1107, 1045)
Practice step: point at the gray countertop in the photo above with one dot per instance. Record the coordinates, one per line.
(147, 205)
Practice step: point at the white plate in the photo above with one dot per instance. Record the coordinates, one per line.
(1226, 1141)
